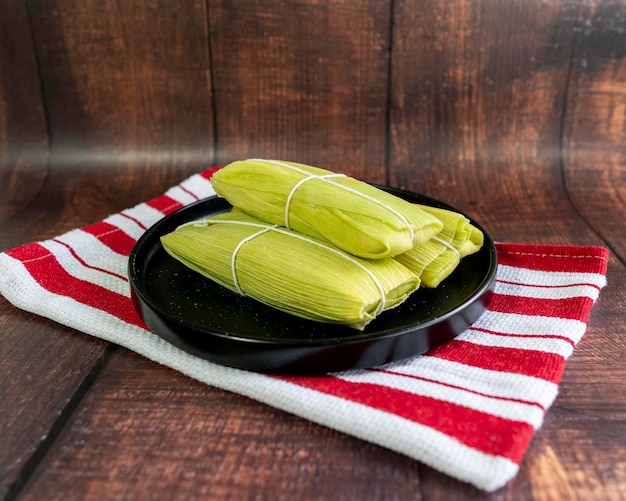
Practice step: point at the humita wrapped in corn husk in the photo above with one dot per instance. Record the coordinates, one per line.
(355, 216)
(463, 235)
(436, 259)
(289, 271)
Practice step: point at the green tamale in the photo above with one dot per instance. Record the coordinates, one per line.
(355, 216)
(466, 238)
(436, 259)
(290, 271)
(432, 261)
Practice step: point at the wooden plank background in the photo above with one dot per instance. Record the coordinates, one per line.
(512, 111)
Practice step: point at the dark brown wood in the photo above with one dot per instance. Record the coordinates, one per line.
(42, 366)
(303, 81)
(23, 133)
(511, 111)
(126, 82)
(594, 129)
(592, 401)
(478, 90)
(28, 412)
(176, 438)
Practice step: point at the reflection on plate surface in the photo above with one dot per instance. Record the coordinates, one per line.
(209, 321)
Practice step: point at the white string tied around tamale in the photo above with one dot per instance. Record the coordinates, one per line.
(233, 268)
(447, 244)
(297, 185)
(264, 228)
(347, 188)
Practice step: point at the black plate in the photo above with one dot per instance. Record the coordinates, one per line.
(209, 321)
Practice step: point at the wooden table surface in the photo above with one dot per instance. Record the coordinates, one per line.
(512, 111)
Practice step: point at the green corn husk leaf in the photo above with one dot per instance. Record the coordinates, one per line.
(435, 260)
(288, 271)
(466, 238)
(432, 262)
(374, 229)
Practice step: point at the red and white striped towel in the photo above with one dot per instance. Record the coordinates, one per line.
(468, 408)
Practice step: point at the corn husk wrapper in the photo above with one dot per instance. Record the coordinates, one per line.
(465, 237)
(289, 271)
(355, 216)
(435, 260)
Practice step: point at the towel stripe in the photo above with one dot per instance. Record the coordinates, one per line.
(522, 325)
(554, 258)
(516, 387)
(547, 366)
(503, 407)
(569, 308)
(482, 431)
(464, 387)
(510, 288)
(479, 332)
(559, 345)
(52, 276)
(112, 236)
(164, 204)
(74, 264)
(143, 214)
(550, 279)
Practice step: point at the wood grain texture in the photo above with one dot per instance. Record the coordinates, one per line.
(595, 126)
(41, 368)
(581, 456)
(302, 80)
(477, 100)
(170, 437)
(23, 133)
(127, 90)
(126, 83)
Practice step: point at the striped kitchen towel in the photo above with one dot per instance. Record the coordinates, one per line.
(468, 408)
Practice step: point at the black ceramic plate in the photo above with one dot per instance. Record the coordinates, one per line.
(209, 321)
